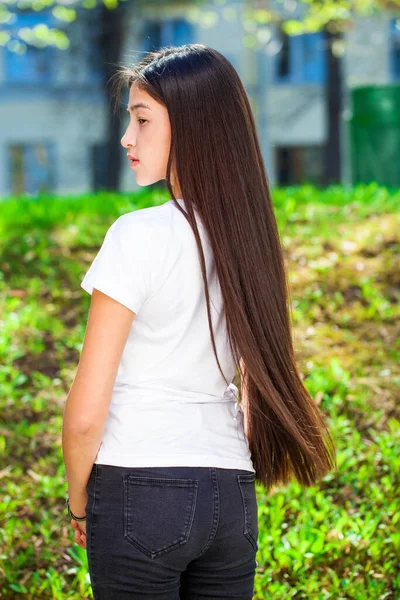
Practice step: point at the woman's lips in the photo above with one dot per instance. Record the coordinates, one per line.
(134, 163)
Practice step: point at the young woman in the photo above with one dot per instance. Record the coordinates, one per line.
(162, 449)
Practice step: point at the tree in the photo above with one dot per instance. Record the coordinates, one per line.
(111, 38)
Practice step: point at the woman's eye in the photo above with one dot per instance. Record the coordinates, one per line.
(143, 120)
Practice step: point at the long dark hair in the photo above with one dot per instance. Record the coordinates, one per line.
(216, 153)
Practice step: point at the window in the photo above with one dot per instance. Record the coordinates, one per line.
(299, 164)
(395, 48)
(172, 32)
(302, 59)
(35, 65)
(31, 167)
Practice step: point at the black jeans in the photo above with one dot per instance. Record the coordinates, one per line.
(170, 533)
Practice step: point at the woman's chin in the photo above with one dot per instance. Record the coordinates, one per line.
(143, 181)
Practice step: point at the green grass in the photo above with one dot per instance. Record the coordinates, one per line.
(337, 540)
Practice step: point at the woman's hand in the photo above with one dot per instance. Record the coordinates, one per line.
(80, 532)
(77, 505)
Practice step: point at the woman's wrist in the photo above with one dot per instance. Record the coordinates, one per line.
(77, 504)
(73, 514)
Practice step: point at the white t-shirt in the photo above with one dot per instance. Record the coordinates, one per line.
(170, 405)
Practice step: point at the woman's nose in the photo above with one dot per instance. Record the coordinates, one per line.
(123, 141)
(126, 139)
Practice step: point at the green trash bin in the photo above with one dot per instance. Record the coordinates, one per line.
(374, 135)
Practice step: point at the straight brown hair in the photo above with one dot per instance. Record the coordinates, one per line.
(219, 166)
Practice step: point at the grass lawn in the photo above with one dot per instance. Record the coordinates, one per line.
(337, 540)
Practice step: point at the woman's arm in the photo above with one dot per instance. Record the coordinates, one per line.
(243, 399)
(88, 402)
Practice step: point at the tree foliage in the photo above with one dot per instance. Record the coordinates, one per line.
(336, 15)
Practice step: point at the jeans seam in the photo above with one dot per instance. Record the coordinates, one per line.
(216, 512)
(245, 479)
(93, 578)
(175, 481)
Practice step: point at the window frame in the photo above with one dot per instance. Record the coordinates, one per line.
(300, 69)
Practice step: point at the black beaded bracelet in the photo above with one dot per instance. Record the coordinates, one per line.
(71, 514)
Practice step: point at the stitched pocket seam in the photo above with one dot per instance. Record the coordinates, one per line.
(190, 484)
(243, 479)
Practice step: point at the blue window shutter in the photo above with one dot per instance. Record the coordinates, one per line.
(36, 65)
(167, 33)
(306, 59)
(395, 49)
(151, 36)
(314, 57)
(296, 58)
(171, 32)
(183, 32)
(176, 32)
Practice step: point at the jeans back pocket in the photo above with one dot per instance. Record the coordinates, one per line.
(246, 484)
(158, 512)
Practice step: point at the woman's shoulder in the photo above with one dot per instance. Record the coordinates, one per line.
(150, 215)
(151, 225)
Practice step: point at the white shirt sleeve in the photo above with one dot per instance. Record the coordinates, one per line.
(120, 267)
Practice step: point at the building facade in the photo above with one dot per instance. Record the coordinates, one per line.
(53, 109)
